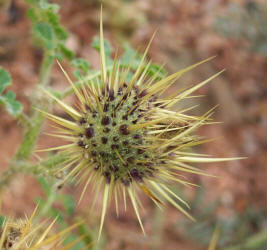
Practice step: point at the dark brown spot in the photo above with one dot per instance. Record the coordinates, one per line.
(120, 91)
(87, 107)
(106, 130)
(105, 109)
(124, 129)
(125, 182)
(111, 95)
(94, 143)
(114, 146)
(82, 121)
(93, 153)
(116, 138)
(134, 122)
(89, 133)
(136, 136)
(142, 94)
(113, 168)
(148, 164)
(107, 175)
(114, 124)
(140, 151)
(102, 154)
(80, 144)
(134, 173)
(105, 120)
(130, 160)
(125, 117)
(149, 173)
(104, 140)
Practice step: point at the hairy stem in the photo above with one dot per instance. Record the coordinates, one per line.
(42, 168)
(32, 126)
(36, 118)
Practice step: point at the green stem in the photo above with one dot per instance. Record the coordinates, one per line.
(36, 118)
(51, 198)
(42, 168)
(33, 126)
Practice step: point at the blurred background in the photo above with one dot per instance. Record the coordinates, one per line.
(187, 32)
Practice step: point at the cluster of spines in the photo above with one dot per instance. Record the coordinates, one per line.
(138, 111)
(22, 234)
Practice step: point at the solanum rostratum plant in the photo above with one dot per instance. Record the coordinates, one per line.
(124, 135)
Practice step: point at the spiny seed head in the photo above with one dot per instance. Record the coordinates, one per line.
(125, 136)
(109, 136)
(25, 234)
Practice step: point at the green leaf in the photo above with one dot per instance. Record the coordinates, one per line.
(50, 6)
(12, 106)
(81, 64)
(61, 33)
(5, 79)
(54, 213)
(2, 219)
(69, 204)
(53, 18)
(45, 33)
(40, 202)
(77, 74)
(130, 57)
(32, 2)
(157, 69)
(83, 230)
(108, 49)
(71, 238)
(96, 45)
(31, 14)
(66, 52)
(45, 185)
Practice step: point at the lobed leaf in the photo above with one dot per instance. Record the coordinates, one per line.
(44, 32)
(8, 100)
(5, 80)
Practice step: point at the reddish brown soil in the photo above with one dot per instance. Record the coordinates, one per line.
(184, 36)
